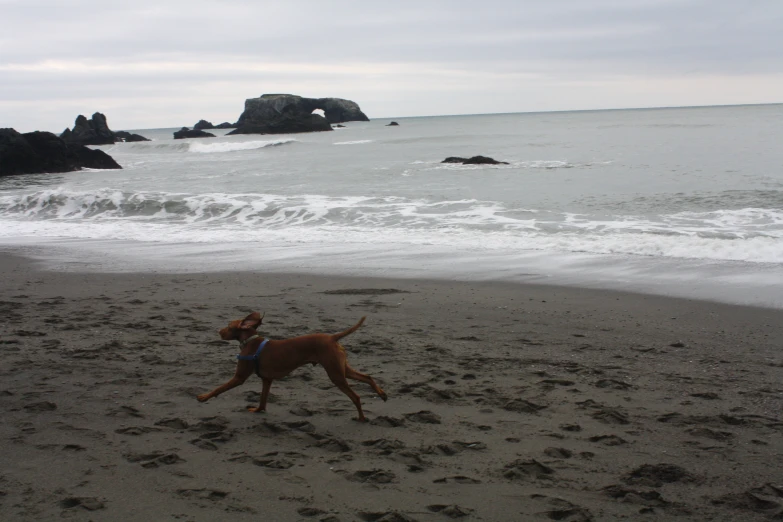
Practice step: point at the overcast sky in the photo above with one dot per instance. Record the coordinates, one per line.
(168, 63)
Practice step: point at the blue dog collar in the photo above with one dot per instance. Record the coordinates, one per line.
(254, 357)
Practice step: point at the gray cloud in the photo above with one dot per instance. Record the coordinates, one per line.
(402, 58)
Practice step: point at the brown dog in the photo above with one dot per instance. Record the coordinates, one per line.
(276, 359)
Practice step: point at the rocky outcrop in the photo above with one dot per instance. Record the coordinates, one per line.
(39, 152)
(203, 124)
(475, 160)
(184, 132)
(94, 131)
(288, 113)
(127, 136)
(393, 124)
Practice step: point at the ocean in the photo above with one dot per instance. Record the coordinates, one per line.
(684, 201)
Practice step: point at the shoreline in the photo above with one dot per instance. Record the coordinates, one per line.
(699, 280)
(555, 402)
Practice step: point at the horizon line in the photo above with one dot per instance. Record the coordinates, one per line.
(554, 111)
(655, 107)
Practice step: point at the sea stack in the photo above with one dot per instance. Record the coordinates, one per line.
(288, 113)
(94, 131)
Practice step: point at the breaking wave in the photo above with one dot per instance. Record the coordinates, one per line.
(202, 147)
(747, 234)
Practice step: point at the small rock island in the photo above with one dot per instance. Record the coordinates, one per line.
(289, 113)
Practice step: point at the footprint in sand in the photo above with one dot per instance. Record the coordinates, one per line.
(38, 407)
(526, 470)
(303, 426)
(203, 494)
(310, 512)
(88, 503)
(424, 417)
(373, 476)
(656, 475)
(558, 453)
(154, 460)
(523, 406)
(451, 511)
(767, 499)
(456, 479)
(608, 440)
(649, 498)
(136, 430)
(173, 423)
(385, 445)
(387, 422)
(124, 412)
(333, 444)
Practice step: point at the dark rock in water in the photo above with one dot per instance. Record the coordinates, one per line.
(184, 132)
(225, 125)
(203, 124)
(339, 126)
(475, 160)
(288, 113)
(128, 137)
(16, 154)
(284, 125)
(94, 158)
(39, 152)
(94, 131)
(393, 124)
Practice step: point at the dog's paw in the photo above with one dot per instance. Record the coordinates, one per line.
(204, 397)
(360, 419)
(255, 409)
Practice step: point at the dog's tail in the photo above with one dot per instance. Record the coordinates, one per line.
(349, 331)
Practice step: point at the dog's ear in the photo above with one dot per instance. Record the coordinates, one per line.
(251, 322)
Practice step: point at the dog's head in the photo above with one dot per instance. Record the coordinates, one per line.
(235, 329)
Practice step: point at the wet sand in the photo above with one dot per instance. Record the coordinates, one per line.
(506, 402)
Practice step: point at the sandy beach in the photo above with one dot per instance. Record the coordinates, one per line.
(506, 402)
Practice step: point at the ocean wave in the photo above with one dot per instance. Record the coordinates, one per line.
(231, 146)
(356, 142)
(201, 147)
(747, 234)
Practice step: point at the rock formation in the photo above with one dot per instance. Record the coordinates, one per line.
(127, 136)
(184, 132)
(288, 113)
(475, 160)
(203, 124)
(94, 131)
(39, 152)
(393, 124)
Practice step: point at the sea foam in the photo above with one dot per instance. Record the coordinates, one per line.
(232, 146)
(752, 235)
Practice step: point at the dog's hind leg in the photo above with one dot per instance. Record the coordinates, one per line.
(356, 376)
(335, 369)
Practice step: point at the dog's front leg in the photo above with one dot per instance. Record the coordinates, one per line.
(264, 396)
(232, 383)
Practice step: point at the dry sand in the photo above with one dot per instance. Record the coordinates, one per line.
(506, 402)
